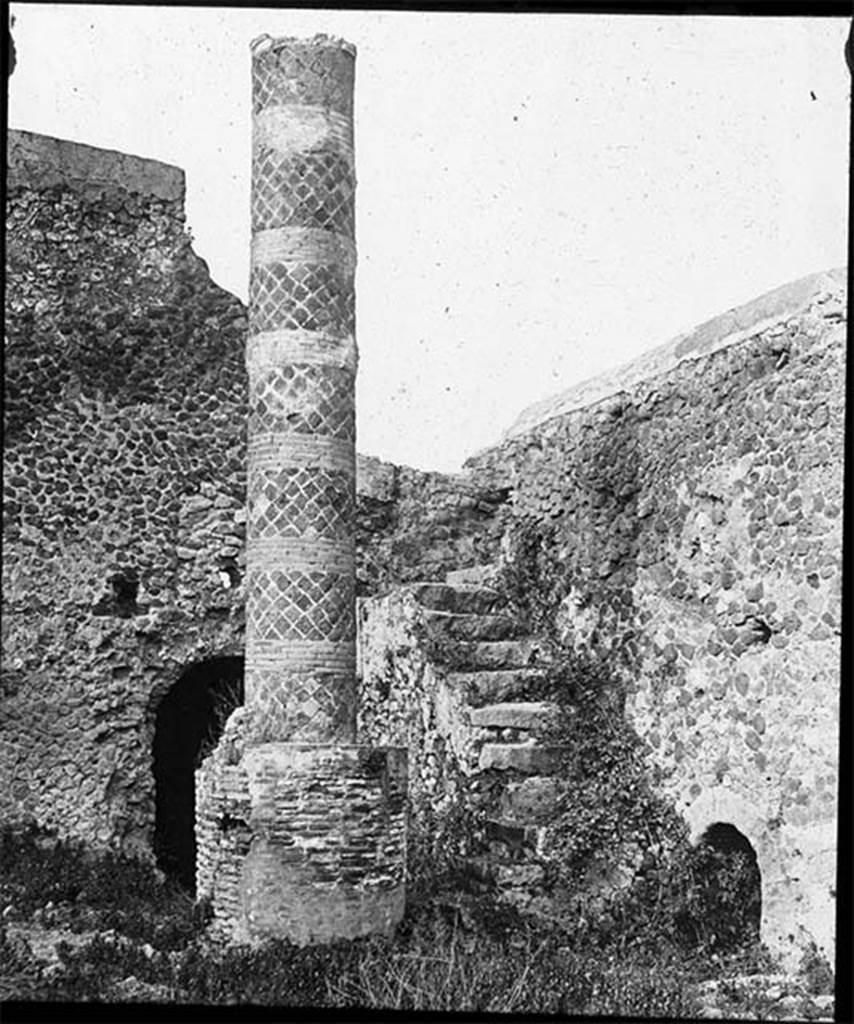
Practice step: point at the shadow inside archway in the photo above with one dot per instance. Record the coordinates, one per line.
(188, 724)
(727, 892)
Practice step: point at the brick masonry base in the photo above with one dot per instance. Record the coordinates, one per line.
(299, 841)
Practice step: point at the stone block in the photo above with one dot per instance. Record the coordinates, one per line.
(520, 757)
(459, 599)
(491, 654)
(375, 479)
(476, 575)
(531, 799)
(495, 685)
(512, 834)
(533, 716)
(467, 626)
(519, 875)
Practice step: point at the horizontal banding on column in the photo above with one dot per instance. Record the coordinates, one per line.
(354, 755)
(271, 349)
(334, 761)
(302, 245)
(294, 450)
(338, 656)
(296, 128)
(305, 554)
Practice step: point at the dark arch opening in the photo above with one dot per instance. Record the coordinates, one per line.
(189, 721)
(729, 887)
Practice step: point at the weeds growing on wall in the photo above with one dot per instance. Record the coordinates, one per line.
(618, 855)
(534, 579)
(816, 971)
(227, 697)
(438, 847)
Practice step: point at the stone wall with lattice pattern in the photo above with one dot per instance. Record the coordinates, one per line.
(300, 670)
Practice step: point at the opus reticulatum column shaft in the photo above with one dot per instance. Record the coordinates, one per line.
(301, 362)
(301, 832)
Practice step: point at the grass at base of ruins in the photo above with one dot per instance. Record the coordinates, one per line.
(130, 936)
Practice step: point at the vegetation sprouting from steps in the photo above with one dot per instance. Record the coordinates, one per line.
(668, 919)
(619, 856)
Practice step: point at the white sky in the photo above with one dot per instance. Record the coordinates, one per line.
(540, 196)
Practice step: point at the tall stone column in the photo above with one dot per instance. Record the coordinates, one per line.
(301, 831)
(301, 360)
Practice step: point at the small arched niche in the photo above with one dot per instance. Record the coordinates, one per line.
(727, 870)
(188, 724)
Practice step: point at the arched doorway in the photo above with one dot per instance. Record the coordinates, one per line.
(729, 887)
(188, 724)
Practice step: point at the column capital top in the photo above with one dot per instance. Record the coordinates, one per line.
(320, 40)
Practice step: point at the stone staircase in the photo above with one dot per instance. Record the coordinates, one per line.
(485, 660)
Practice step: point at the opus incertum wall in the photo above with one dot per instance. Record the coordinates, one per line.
(123, 482)
(300, 831)
(696, 499)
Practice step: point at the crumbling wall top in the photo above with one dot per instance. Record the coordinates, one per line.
(729, 328)
(40, 161)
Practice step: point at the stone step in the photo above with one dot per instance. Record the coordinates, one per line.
(468, 626)
(482, 867)
(513, 834)
(495, 685)
(475, 575)
(490, 654)
(531, 715)
(519, 876)
(490, 870)
(521, 757)
(531, 800)
(444, 597)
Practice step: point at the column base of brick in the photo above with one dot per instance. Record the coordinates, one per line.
(302, 841)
